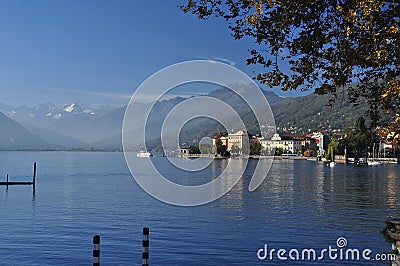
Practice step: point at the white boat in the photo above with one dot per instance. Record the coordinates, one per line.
(361, 161)
(351, 160)
(372, 163)
(332, 164)
(144, 154)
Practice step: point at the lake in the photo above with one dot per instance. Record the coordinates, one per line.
(301, 204)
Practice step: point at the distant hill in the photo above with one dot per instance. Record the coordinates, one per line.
(101, 128)
(309, 113)
(14, 136)
(233, 99)
(292, 115)
(55, 138)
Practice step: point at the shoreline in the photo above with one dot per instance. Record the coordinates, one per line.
(390, 160)
(314, 159)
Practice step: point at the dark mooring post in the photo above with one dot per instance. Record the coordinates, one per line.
(146, 242)
(96, 250)
(7, 178)
(34, 173)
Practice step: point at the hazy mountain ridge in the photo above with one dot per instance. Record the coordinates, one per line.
(55, 138)
(82, 126)
(13, 136)
(71, 124)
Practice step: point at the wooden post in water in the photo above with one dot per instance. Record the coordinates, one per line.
(7, 178)
(96, 250)
(145, 254)
(34, 173)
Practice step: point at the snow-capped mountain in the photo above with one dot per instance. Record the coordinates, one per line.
(73, 120)
(76, 109)
(69, 107)
(76, 125)
(48, 111)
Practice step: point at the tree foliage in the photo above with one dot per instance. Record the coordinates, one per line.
(255, 148)
(279, 151)
(358, 140)
(205, 148)
(219, 147)
(194, 150)
(332, 149)
(235, 150)
(322, 45)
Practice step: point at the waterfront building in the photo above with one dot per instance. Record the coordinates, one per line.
(288, 144)
(308, 143)
(235, 142)
(238, 142)
(322, 139)
(223, 139)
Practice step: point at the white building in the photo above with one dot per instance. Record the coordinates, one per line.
(238, 141)
(288, 145)
(322, 138)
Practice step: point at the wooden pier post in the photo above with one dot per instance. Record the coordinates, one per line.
(34, 173)
(96, 250)
(10, 183)
(145, 254)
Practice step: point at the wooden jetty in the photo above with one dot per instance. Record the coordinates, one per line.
(11, 183)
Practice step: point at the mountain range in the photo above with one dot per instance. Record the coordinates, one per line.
(79, 126)
(14, 136)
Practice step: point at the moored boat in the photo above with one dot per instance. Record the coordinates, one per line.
(372, 163)
(144, 154)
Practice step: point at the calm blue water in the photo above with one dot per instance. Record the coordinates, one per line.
(301, 204)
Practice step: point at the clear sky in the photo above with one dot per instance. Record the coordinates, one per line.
(98, 52)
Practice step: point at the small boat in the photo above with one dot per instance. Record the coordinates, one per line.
(332, 164)
(361, 161)
(351, 160)
(372, 163)
(144, 154)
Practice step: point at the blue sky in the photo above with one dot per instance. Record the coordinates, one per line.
(98, 52)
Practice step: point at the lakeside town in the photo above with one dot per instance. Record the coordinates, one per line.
(359, 145)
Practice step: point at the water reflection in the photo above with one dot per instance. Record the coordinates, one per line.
(280, 179)
(33, 201)
(300, 204)
(288, 184)
(392, 188)
(234, 199)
